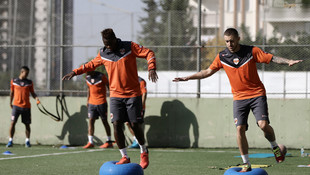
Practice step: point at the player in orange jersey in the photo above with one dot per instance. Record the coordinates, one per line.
(97, 106)
(239, 62)
(119, 59)
(21, 88)
(143, 88)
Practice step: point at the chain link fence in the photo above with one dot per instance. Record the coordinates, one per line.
(52, 38)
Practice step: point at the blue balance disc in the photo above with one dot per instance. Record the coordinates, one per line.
(235, 171)
(110, 168)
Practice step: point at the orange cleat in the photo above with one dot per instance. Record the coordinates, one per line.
(89, 145)
(144, 160)
(107, 144)
(123, 160)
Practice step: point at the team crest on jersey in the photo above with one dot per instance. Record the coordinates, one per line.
(235, 120)
(122, 51)
(236, 60)
(92, 80)
(22, 83)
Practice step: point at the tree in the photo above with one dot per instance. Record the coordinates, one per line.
(170, 23)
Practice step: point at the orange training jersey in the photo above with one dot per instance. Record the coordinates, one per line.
(241, 70)
(121, 67)
(97, 88)
(21, 89)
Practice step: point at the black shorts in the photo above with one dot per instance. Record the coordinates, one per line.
(126, 109)
(25, 112)
(242, 108)
(94, 111)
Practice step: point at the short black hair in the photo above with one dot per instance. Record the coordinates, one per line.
(231, 31)
(25, 68)
(108, 34)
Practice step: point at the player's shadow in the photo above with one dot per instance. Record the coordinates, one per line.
(172, 128)
(77, 128)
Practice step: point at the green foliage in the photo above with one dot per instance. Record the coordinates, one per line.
(169, 23)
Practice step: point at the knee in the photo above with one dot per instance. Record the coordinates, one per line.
(241, 129)
(263, 124)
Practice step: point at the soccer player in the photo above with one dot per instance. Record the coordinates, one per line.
(97, 106)
(143, 88)
(239, 62)
(20, 89)
(119, 59)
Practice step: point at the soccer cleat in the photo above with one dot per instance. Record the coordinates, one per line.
(10, 144)
(245, 167)
(134, 144)
(89, 145)
(278, 154)
(123, 160)
(144, 160)
(27, 144)
(107, 144)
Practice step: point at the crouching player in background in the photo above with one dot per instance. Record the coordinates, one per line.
(97, 106)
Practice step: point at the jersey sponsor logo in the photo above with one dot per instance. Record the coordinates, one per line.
(235, 120)
(122, 51)
(236, 61)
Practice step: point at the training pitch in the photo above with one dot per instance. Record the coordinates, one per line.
(41, 160)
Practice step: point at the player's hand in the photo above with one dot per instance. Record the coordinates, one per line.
(69, 76)
(180, 79)
(38, 101)
(292, 62)
(11, 106)
(153, 75)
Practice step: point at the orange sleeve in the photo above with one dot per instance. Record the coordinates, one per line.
(216, 64)
(90, 66)
(142, 52)
(105, 80)
(261, 56)
(12, 86)
(143, 87)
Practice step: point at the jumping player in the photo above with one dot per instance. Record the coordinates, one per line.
(239, 62)
(119, 59)
(21, 88)
(143, 88)
(97, 106)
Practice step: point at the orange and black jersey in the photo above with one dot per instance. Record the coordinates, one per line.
(97, 88)
(241, 70)
(121, 67)
(21, 88)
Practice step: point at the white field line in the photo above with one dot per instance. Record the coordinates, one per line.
(51, 154)
(93, 150)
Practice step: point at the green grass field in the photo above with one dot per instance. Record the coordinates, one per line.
(40, 160)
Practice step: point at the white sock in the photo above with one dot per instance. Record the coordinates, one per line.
(109, 138)
(10, 139)
(90, 139)
(143, 148)
(245, 158)
(27, 140)
(273, 144)
(124, 152)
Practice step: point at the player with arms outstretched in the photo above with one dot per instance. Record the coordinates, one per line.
(119, 59)
(21, 88)
(239, 62)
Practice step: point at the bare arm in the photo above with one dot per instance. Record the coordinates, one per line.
(11, 98)
(199, 75)
(280, 60)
